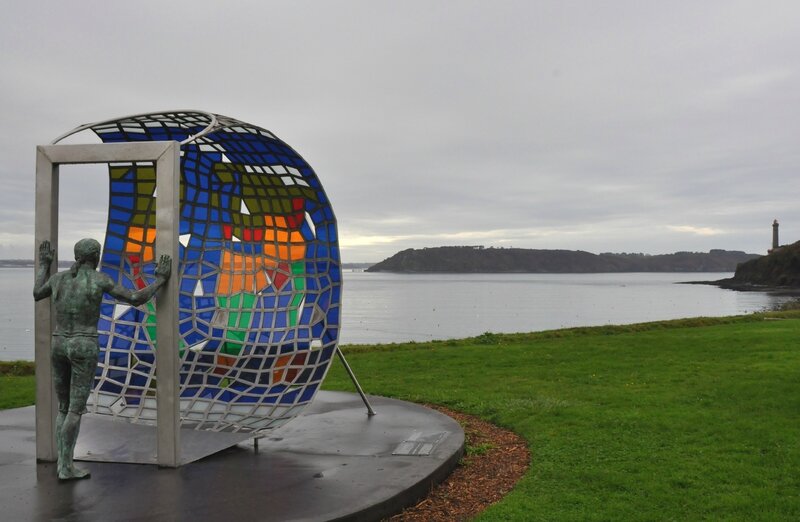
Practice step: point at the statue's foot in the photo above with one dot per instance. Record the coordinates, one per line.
(73, 473)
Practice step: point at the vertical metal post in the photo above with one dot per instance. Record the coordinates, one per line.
(46, 228)
(167, 334)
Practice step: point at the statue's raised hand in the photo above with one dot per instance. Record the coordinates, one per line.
(46, 254)
(164, 268)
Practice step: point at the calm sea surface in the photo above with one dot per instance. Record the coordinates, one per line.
(384, 308)
(381, 308)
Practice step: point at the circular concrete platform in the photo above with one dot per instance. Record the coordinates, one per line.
(331, 463)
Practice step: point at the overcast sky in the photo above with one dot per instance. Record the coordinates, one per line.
(602, 126)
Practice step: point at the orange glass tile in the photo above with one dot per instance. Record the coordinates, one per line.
(243, 273)
(141, 242)
(280, 368)
(297, 252)
(224, 364)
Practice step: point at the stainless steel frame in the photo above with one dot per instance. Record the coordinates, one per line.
(166, 155)
(211, 117)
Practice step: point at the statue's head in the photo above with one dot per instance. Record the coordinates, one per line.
(87, 251)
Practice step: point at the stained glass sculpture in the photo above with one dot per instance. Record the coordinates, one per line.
(259, 272)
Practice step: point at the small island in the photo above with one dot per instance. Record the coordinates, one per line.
(478, 259)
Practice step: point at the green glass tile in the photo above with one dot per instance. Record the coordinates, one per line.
(230, 348)
(145, 189)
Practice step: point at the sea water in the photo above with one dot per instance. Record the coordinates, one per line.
(385, 308)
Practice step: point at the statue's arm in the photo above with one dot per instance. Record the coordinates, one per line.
(42, 288)
(139, 297)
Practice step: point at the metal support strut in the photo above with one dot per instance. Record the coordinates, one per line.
(349, 370)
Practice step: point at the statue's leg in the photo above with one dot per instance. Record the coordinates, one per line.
(70, 430)
(61, 380)
(60, 418)
(83, 356)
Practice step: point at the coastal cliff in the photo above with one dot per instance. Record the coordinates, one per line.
(781, 268)
(477, 259)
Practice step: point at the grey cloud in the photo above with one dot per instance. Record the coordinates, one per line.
(591, 126)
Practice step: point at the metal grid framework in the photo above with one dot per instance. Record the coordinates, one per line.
(259, 276)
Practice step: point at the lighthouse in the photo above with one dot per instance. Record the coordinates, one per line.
(775, 242)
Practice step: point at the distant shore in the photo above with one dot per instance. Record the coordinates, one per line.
(28, 263)
(477, 259)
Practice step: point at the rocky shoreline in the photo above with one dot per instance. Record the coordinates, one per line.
(777, 273)
(731, 284)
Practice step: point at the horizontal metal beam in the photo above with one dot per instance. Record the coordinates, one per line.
(104, 152)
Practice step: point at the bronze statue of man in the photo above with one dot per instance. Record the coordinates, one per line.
(77, 294)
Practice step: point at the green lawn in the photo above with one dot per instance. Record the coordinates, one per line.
(17, 385)
(681, 420)
(16, 391)
(650, 422)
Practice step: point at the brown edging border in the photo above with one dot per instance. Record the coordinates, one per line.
(481, 479)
